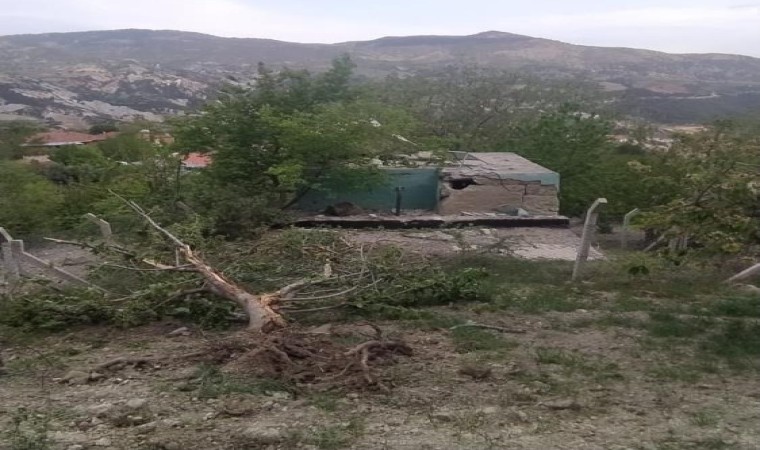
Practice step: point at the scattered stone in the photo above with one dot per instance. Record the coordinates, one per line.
(76, 377)
(443, 416)
(181, 331)
(263, 435)
(322, 329)
(103, 442)
(476, 372)
(101, 410)
(146, 428)
(96, 376)
(518, 416)
(171, 423)
(163, 444)
(75, 447)
(488, 410)
(279, 395)
(136, 403)
(563, 404)
(69, 437)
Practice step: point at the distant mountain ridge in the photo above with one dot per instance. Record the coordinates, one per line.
(124, 74)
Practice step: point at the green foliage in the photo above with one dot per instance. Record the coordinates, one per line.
(472, 339)
(423, 286)
(103, 127)
(127, 147)
(292, 132)
(29, 204)
(736, 339)
(576, 144)
(56, 311)
(336, 437)
(473, 108)
(12, 136)
(210, 382)
(669, 325)
(29, 431)
(78, 155)
(710, 180)
(735, 306)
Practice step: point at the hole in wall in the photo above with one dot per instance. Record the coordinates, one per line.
(461, 183)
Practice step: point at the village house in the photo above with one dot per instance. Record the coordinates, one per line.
(486, 184)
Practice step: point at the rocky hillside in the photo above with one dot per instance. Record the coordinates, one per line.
(75, 78)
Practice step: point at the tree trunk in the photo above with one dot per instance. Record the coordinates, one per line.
(259, 308)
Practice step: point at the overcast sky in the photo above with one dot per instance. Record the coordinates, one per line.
(727, 26)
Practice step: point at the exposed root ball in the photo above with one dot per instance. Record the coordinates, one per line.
(308, 359)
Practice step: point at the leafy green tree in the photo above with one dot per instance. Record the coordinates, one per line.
(473, 108)
(12, 136)
(293, 131)
(103, 127)
(711, 189)
(127, 147)
(29, 204)
(575, 143)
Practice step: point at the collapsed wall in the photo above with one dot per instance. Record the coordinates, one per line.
(480, 194)
(498, 183)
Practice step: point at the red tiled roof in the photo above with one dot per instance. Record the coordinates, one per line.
(197, 160)
(60, 137)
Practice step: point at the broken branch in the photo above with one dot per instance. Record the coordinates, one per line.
(488, 327)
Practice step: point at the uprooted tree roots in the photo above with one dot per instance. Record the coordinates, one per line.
(304, 358)
(297, 357)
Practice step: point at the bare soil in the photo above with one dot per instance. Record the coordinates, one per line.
(559, 384)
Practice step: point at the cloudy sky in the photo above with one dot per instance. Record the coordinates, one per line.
(727, 26)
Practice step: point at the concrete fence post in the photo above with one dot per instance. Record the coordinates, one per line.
(11, 271)
(589, 229)
(105, 227)
(627, 227)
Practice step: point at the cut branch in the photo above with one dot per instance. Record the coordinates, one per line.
(260, 309)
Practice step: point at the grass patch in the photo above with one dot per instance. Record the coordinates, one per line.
(575, 362)
(619, 320)
(472, 339)
(334, 437)
(668, 325)
(326, 401)
(682, 373)
(630, 303)
(738, 341)
(705, 418)
(28, 431)
(735, 306)
(211, 383)
(539, 299)
(512, 271)
(660, 279)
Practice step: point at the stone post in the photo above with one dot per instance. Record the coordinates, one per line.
(589, 229)
(627, 227)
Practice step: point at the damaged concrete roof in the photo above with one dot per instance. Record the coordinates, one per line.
(502, 165)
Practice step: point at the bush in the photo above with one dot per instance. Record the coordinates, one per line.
(55, 311)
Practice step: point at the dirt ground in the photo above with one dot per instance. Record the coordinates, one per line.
(567, 368)
(556, 384)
